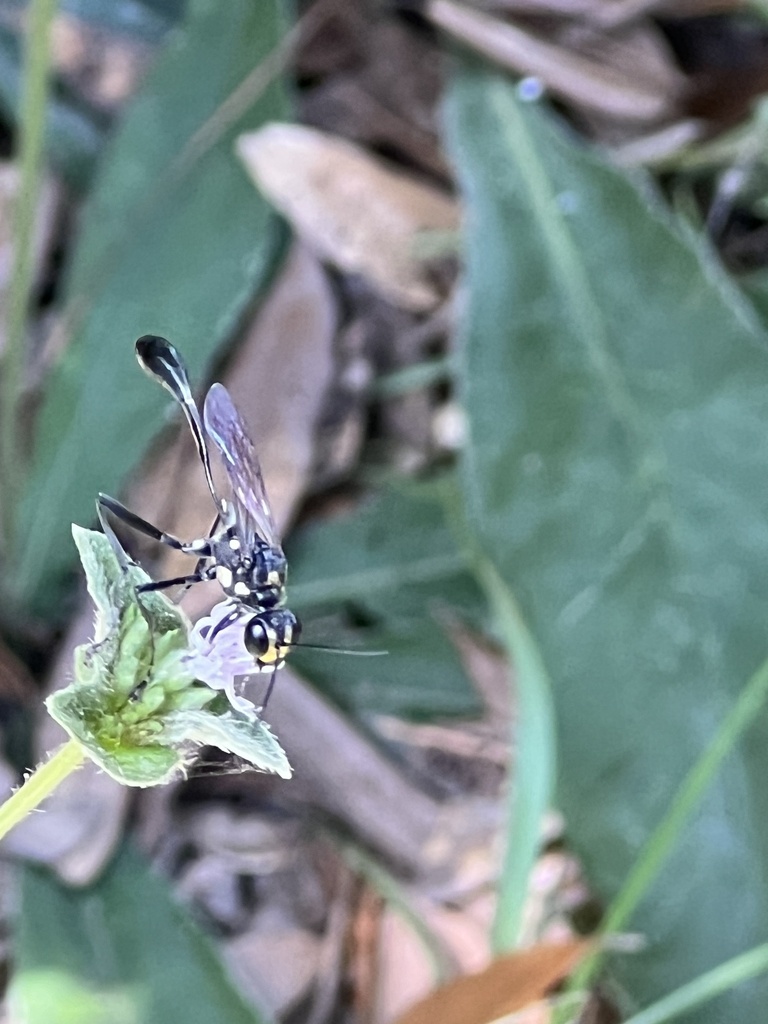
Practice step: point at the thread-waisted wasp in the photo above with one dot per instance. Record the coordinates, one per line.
(242, 550)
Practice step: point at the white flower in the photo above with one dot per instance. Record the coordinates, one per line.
(220, 661)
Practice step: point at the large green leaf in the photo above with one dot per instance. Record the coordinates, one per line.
(118, 952)
(174, 241)
(617, 471)
(395, 564)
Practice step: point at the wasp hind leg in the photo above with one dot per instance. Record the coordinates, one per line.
(126, 563)
(177, 581)
(201, 548)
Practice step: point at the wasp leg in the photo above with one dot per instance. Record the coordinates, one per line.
(202, 548)
(125, 564)
(202, 571)
(269, 689)
(109, 533)
(147, 588)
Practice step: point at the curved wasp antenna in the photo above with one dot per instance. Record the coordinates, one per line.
(158, 358)
(329, 649)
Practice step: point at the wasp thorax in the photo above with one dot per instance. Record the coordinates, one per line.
(268, 567)
(254, 576)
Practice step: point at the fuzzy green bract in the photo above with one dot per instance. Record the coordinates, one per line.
(134, 705)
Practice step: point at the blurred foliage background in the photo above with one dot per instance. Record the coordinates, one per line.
(488, 283)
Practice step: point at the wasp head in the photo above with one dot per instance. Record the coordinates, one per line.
(270, 635)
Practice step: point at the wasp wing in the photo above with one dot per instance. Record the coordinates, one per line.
(225, 428)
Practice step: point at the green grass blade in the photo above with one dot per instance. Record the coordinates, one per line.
(531, 778)
(685, 803)
(688, 997)
(31, 128)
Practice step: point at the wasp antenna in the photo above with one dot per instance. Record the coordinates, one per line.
(330, 649)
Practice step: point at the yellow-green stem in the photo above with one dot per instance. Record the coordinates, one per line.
(31, 132)
(40, 784)
(531, 777)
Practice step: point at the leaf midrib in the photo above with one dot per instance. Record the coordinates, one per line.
(588, 323)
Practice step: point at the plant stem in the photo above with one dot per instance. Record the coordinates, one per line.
(31, 130)
(40, 784)
(533, 747)
(531, 778)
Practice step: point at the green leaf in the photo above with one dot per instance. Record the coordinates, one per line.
(617, 394)
(137, 650)
(112, 585)
(175, 241)
(399, 540)
(394, 564)
(237, 734)
(117, 952)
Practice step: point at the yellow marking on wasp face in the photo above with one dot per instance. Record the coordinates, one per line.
(273, 577)
(234, 544)
(242, 589)
(271, 655)
(224, 576)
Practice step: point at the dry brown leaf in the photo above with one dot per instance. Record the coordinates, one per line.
(293, 953)
(658, 147)
(17, 686)
(104, 67)
(638, 52)
(404, 970)
(511, 983)
(622, 11)
(350, 207)
(344, 104)
(337, 768)
(376, 82)
(561, 8)
(589, 83)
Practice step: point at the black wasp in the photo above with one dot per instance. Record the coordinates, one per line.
(242, 551)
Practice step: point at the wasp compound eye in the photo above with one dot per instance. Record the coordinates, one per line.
(257, 641)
